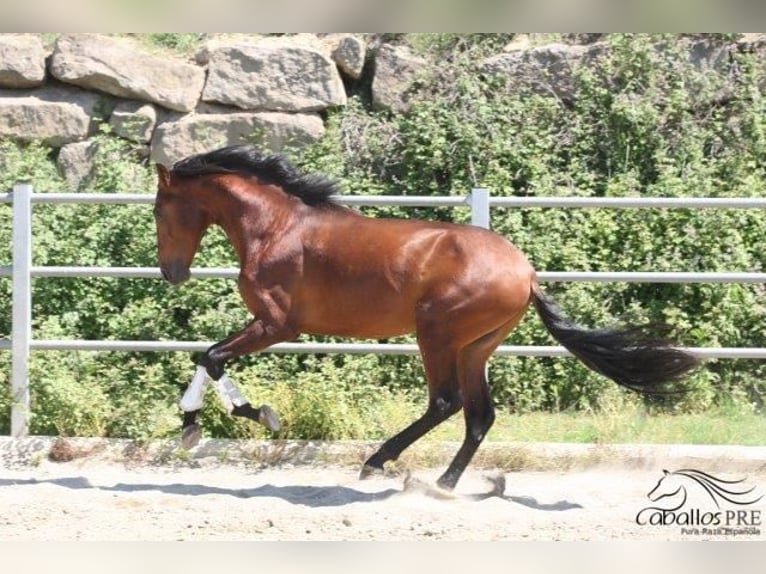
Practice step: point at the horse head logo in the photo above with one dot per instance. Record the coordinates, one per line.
(675, 487)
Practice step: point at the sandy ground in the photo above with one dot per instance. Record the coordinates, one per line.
(214, 497)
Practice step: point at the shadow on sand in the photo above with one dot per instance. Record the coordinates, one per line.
(310, 496)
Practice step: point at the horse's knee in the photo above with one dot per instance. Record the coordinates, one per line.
(213, 363)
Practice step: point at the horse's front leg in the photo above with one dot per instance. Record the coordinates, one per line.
(258, 335)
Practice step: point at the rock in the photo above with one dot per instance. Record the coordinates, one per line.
(54, 116)
(214, 42)
(348, 52)
(545, 69)
(711, 55)
(583, 37)
(134, 121)
(79, 162)
(750, 42)
(748, 37)
(117, 67)
(22, 61)
(200, 133)
(75, 161)
(202, 55)
(273, 75)
(755, 45)
(396, 68)
(519, 42)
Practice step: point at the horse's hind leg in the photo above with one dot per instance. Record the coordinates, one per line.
(479, 417)
(478, 408)
(440, 365)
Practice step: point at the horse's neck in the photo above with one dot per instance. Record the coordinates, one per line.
(248, 221)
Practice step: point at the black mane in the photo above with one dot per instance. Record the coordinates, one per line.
(272, 169)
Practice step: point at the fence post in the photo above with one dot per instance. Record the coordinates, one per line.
(480, 207)
(21, 330)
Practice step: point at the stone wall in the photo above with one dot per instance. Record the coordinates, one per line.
(270, 90)
(266, 90)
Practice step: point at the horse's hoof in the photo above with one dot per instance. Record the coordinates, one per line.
(268, 418)
(368, 471)
(447, 483)
(191, 435)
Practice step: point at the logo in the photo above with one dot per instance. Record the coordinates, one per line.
(702, 504)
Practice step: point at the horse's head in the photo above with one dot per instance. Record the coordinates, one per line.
(668, 485)
(181, 223)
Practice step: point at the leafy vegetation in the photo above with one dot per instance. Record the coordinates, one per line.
(644, 121)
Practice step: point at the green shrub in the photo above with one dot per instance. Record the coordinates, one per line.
(67, 399)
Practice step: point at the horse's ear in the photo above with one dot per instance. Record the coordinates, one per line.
(164, 175)
(665, 472)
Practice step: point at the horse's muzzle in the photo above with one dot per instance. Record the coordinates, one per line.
(175, 273)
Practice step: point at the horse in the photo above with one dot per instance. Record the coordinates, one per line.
(310, 265)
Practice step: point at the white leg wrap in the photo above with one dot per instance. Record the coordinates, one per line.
(195, 392)
(229, 393)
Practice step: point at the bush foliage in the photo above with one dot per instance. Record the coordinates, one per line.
(644, 122)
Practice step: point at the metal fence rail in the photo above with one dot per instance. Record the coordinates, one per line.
(478, 201)
(547, 276)
(343, 348)
(445, 201)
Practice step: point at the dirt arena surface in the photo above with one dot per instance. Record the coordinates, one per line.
(119, 493)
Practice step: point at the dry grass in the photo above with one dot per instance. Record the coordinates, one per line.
(531, 442)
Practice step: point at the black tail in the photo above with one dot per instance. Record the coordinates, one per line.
(629, 356)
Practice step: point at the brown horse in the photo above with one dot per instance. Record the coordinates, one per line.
(308, 265)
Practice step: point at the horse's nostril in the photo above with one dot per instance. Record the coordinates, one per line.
(175, 273)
